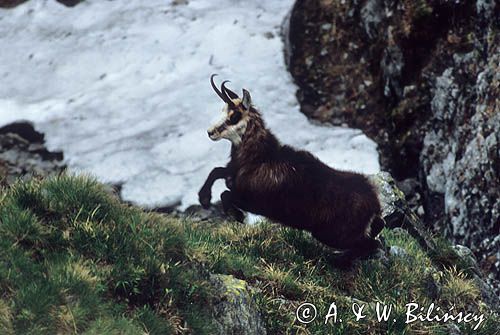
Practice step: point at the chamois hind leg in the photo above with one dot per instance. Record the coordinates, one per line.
(377, 225)
(229, 208)
(362, 247)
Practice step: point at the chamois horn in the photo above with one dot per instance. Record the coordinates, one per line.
(221, 95)
(227, 91)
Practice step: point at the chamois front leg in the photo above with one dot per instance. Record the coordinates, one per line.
(229, 182)
(205, 193)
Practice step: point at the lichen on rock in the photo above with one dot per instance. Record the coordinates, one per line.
(235, 311)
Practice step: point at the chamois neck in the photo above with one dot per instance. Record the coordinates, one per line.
(258, 143)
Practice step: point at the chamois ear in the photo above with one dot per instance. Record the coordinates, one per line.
(246, 101)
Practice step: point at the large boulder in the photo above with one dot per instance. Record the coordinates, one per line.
(396, 212)
(234, 311)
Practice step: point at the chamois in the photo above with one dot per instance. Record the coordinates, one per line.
(290, 186)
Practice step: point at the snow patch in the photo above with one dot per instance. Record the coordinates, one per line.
(122, 88)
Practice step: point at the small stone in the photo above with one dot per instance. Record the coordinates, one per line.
(326, 26)
(269, 35)
(309, 61)
(398, 251)
(420, 210)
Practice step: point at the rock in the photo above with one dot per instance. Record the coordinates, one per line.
(491, 264)
(466, 254)
(432, 105)
(488, 292)
(432, 286)
(485, 286)
(180, 2)
(392, 64)
(235, 311)
(23, 154)
(453, 329)
(408, 186)
(396, 212)
(10, 3)
(372, 14)
(198, 213)
(398, 252)
(399, 217)
(14, 3)
(412, 191)
(70, 3)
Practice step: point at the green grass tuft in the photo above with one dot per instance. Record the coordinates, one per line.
(74, 260)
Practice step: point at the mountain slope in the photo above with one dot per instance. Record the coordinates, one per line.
(73, 259)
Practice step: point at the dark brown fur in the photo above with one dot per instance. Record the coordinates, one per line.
(294, 188)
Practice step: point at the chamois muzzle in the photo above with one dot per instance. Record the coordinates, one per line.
(212, 134)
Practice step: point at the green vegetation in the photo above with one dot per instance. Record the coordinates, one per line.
(73, 259)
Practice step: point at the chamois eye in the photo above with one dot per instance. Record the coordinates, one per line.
(235, 117)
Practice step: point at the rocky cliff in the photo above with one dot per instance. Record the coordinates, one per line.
(422, 78)
(23, 154)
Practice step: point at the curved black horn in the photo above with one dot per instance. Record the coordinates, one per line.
(219, 93)
(227, 91)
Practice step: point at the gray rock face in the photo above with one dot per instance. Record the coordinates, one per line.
(398, 216)
(461, 154)
(422, 78)
(372, 14)
(487, 291)
(235, 313)
(396, 212)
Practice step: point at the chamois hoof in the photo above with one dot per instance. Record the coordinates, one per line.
(343, 262)
(236, 214)
(204, 199)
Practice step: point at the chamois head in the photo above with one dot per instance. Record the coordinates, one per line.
(235, 116)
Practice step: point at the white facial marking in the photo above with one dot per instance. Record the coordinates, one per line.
(213, 132)
(231, 132)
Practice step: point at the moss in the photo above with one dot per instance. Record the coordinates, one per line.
(6, 318)
(118, 326)
(233, 286)
(422, 9)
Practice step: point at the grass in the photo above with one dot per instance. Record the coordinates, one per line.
(74, 260)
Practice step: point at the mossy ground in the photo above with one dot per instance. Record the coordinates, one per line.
(73, 259)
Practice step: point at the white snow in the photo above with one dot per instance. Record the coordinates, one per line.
(122, 87)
